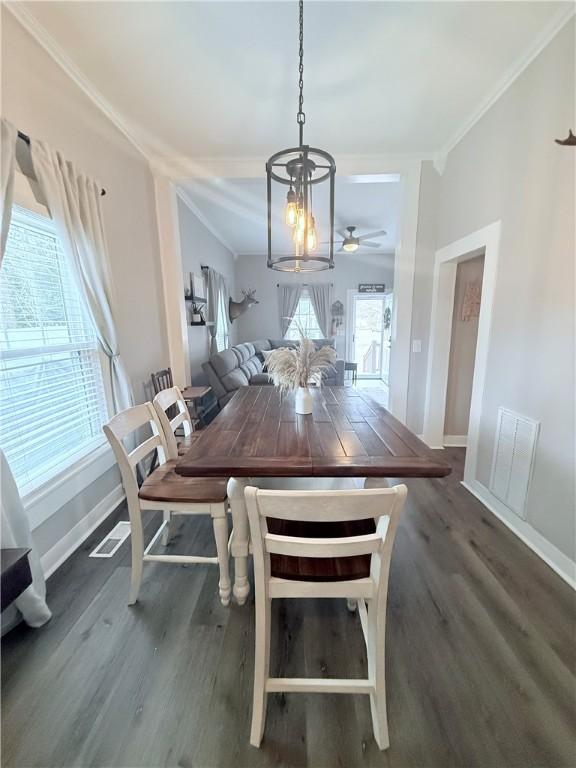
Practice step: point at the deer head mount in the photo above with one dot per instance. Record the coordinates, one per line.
(237, 308)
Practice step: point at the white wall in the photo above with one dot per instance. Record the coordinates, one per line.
(508, 168)
(40, 99)
(462, 352)
(199, 246)
(262, 321)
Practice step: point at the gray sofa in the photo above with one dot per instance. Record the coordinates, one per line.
(241, 365)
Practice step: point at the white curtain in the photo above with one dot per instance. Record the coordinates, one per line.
(74, 204)
(321, 298)
(288, 298)
(16, 533)
(8, 163)
(215, 284)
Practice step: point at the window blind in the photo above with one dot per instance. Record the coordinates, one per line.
(53, 402)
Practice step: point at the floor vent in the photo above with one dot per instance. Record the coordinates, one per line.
(514, 448)
(113, 541)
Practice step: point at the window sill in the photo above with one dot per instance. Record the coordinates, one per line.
(43, 502)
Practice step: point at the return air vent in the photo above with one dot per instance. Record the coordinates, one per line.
(514, 449)
(113, 541)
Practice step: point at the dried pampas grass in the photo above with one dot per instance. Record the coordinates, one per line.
(293, 368)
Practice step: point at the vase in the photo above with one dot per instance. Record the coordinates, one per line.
(303, 400)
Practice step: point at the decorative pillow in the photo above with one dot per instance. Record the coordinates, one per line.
(265, 355)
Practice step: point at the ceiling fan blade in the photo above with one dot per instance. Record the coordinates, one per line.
(380, 233)
(369, 244)
(342, 233)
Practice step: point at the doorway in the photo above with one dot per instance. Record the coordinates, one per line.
(370, 335)
(464, 336)
(484, 242)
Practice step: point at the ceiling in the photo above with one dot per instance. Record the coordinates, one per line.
(218, 79)
(235, 210)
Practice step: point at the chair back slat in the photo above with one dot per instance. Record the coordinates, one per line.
(326, 506)
(343, 546)
(144, 449)
(130, 423)
(162, 380)
(165, 403)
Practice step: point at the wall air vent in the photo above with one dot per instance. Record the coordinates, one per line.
(514, 449)
(113, 541)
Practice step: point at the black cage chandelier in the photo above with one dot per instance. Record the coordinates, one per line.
(300, 169)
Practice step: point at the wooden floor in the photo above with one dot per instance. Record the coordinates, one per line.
(480, 660)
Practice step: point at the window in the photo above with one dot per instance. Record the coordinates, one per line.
(304, 318)
(222, 332)
(53, 401)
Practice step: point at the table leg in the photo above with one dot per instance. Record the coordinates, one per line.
(240, 537)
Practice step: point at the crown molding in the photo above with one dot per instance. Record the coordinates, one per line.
(203, 220)
(548, 34)
(179, 168)
(54, 50)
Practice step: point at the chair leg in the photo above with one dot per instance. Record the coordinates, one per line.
(137, 540)
(261, 669)
(377, 673)
(220, 525)
(351, 604)
(166, 532)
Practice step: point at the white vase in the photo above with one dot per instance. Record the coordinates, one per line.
(303, 400)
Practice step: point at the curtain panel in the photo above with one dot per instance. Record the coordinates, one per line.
(74, 204)
(15, 530)
(7, 167)
(288, 298)
(321, 298)
(215, 284)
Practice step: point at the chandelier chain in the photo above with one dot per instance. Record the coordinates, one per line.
(301, 117)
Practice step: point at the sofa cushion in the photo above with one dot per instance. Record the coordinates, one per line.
(260, 379)
(234, 380)
(279, 343)
(251, 367)
(319, 343)
(224, 362)
(262, 344)
(243, 352)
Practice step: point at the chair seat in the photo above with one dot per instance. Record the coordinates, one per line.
(185, 443)
(320, 568)
(165, 485)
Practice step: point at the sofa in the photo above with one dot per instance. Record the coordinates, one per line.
(242, 365)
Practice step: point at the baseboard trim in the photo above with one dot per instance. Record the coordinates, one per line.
(455, 441)
(552, 556)
(61, 551)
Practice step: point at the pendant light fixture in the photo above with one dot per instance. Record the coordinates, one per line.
(300, 169)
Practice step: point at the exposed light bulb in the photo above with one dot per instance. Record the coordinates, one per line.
(312, 240)
(291, 209)
(301, 224)
(298, 235)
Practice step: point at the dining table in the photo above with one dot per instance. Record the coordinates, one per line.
(259, 439)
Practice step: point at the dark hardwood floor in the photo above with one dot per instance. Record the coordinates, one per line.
(480, 659)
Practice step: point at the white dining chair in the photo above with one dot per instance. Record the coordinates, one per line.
(166, 491)
(363, 562)
(171, 401)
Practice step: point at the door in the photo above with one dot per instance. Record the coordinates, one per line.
(369, 343)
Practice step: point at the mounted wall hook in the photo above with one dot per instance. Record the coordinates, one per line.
(570, 141)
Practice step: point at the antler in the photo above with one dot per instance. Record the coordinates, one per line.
(248, 293)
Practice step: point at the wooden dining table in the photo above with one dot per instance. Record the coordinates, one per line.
(258, 436)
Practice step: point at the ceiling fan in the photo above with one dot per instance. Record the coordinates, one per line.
(351, 242)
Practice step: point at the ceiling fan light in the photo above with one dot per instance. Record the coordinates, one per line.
(350, 247)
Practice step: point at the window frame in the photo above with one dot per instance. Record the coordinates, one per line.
(304, 295)
(44, 497)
